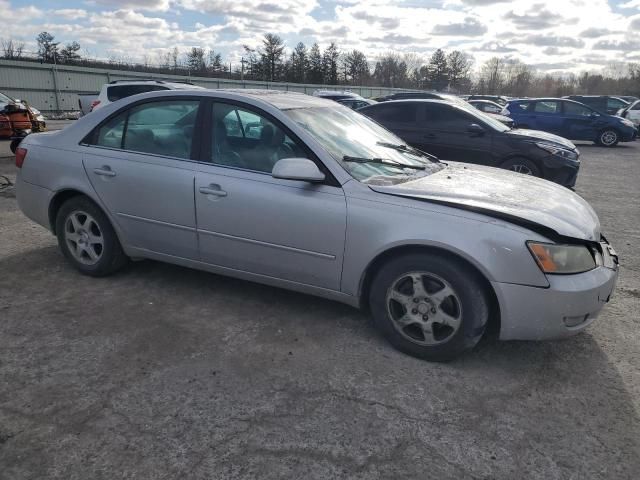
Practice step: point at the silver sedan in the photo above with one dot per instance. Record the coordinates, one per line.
(303, 193)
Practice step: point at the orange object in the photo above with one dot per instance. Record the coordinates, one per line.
(543, 258)
(5, 126)
(20, 120)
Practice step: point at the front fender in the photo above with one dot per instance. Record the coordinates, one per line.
(496, 248)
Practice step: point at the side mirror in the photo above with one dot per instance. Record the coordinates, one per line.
(475, 130)
(297, 169)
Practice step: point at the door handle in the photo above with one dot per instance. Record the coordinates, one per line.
(104, 171)
(429, 135)
(213, 189)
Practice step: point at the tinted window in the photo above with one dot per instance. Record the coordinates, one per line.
(245, 139)
(519, 105)
(547, 107)
(636, 106)
(117, 92)
(614, 103)
(161, 128)
(394, 113)
(576, 109)
(446, 117)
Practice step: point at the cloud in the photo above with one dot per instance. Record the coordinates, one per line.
(158, 5)
(495, 47)
(549, 41)
(538, 18)
(470, 27)
(623, 45)
(595, 32)
(70, 13)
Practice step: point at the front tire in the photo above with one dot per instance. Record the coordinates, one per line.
(608, 138)
(429, 306)
(521, 165)
(87, 238)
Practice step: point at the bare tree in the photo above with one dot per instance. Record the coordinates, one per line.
(11, 50)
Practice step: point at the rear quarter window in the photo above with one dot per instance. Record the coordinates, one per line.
(117, 92)
(519, 106)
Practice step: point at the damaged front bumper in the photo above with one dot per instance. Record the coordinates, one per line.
(566, 307)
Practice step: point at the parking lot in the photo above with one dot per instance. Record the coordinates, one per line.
(165, 372)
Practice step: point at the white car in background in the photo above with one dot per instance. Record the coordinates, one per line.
(631, 113)
(118, 89)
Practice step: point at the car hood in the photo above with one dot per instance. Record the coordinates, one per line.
(529, 201)
(535, 135)
(500, 118)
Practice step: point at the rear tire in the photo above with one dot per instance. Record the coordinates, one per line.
(87, 238)
(608, 138)
(429, 306)
(521, 165)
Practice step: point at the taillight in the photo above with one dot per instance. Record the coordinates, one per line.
(94, 104)
(21, 154)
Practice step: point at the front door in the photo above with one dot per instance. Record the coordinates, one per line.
(446, 128)
(136, 164)
(249, 221)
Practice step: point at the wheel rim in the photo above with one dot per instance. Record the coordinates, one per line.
(608, 138)
(521, 169)
(424, 308)
(83, 237)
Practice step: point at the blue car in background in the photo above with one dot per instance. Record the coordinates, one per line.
(569, 119)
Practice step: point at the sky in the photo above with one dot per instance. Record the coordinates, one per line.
(552, 35)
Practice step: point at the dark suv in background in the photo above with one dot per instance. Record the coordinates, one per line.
(602, 103)
(458, 132)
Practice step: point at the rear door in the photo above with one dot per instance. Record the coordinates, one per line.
(138, 164)
(251, 222)
(401, 118)
(546, 115)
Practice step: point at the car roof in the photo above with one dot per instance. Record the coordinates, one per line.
(277, 98)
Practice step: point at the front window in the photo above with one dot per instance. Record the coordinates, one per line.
(576, 109)
(347, 134)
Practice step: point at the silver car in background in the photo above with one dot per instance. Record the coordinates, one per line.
(303, 193)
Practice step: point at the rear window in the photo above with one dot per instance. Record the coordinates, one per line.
(519, 106)
(394, 113)
(547, 107)
(117, 92)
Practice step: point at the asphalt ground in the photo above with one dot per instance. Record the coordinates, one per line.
(162, 372)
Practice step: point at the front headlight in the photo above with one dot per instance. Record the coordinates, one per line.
(628, 123)
(558, 151)
(553, 258)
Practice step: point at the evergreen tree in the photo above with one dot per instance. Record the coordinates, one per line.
(271, 57)
(438, 70)
(315, 73)
(330, 64)
(47, 48)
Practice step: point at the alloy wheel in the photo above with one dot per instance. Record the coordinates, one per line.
(521, 169)
(424, 308)
(83, 237)
(608, 138)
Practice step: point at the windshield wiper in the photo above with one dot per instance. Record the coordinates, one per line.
(381, 161)
(406, 148)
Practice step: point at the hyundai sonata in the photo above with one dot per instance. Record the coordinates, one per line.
(306, 194)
